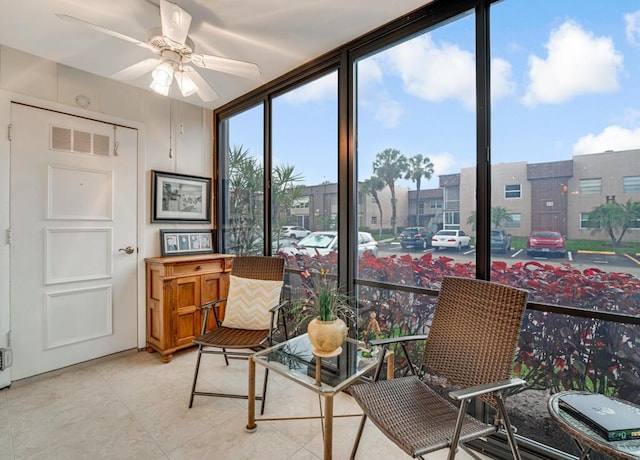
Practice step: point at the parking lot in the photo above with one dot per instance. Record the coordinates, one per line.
(604, 261)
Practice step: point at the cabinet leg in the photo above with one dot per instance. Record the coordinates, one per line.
(150, 350)
(167, 358)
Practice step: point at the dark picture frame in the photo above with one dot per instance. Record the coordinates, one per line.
(180, 198)
(186, 242)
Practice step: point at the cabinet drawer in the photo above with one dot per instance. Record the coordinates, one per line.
(199, 267)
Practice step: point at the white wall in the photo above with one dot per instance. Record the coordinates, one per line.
(163, 124)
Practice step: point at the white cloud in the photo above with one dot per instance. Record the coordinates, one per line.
(632, 27)
(388, 111)
(435, 72)
(501, 81)
(317, 90)
(577, 62)
(369, 71)
(612, 138)
(443, 71)
(443, 163)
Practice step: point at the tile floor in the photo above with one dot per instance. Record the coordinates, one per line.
(132, 406)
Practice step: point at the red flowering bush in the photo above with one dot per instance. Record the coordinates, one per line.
(555, 351)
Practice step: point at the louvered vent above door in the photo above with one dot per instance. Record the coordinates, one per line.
(73, 140)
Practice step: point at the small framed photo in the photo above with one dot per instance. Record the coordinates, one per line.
(180, 198)
(184, 242)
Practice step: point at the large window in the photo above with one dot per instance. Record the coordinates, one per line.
(305, 163)
(417, 152)
(415, 124)
(550, 63)
(242, 174)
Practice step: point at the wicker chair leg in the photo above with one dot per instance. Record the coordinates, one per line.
(195, 376)
(356, 443)
(264, 390)
(507, 426)
(224, 353)
(455, 439)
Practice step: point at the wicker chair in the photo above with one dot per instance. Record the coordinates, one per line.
(238, 342)
(470, 347)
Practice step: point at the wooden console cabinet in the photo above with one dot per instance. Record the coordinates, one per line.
(176, 286)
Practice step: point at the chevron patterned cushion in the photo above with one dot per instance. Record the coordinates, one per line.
(249, 301)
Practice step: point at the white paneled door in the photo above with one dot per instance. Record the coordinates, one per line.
(73, 239)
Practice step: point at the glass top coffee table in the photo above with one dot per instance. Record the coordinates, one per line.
(585, 437)
(325, 376)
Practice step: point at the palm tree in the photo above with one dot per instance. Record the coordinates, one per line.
(372, 186)
(499, 217)
(245, 182)
(418, 168)
(390, 165)
(286, 188)
(613, 217)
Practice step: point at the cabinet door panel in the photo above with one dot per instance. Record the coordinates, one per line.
(186, 317)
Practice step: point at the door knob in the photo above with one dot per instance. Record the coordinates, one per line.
(128, 250)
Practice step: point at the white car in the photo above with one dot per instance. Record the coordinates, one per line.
(450, 239)
(327, 241)
(292, 231)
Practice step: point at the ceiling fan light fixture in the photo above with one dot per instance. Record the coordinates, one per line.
(163, 74)
(186, 84)
(160, 89)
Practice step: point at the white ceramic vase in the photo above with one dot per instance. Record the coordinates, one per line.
(326, 337)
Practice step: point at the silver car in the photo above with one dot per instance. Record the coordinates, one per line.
(327, 241)
(456, 239)
(293, 231)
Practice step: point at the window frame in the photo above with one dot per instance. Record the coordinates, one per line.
(507, 192)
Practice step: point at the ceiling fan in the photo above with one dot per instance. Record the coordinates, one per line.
(175, 50)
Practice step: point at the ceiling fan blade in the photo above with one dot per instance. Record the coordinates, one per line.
(113, 33)
(205, 92)
(175, 21)
(226, 65)
(137, 70)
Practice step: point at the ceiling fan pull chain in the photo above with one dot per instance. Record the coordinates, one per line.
(170, 131)
(116, 144)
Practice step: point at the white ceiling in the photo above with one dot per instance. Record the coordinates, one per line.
(278, 35)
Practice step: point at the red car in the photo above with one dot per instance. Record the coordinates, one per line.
(546, 243)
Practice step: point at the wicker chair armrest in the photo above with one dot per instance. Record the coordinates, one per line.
(279, 306)
(210, 304)
(390, 340)
(470, 392)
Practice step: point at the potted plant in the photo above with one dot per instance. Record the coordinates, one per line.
(329, 308)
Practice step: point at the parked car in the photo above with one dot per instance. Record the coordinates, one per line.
(292, 231)
(327, 241)
(415, 237)
(546, 242)
(500, 240)
(450, 239)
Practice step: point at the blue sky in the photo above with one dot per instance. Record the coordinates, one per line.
(565, 81)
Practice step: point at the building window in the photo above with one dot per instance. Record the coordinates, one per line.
(590, 186)
(513, 191)
(516, 219)
(374, 220)
(635, 223)
(584, 221)
(435, 204)
(631, 184)
(421, 207)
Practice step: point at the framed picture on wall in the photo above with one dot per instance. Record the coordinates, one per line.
(180, 198)
(184, 242)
